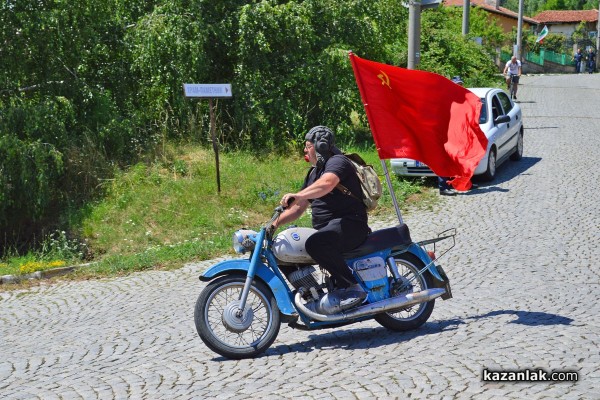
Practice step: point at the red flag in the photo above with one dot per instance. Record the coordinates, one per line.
(423, 116)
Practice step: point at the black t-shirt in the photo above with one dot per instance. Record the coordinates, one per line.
(336, 204)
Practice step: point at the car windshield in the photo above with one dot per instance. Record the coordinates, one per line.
(483, 115)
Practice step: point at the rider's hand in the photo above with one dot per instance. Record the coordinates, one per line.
(271, 231)
(285, 200)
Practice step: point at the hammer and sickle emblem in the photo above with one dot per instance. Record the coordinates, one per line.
(385, 80)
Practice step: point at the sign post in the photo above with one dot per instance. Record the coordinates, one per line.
(210, 91)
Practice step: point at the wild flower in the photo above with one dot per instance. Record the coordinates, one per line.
(33, 266)
(56, 264)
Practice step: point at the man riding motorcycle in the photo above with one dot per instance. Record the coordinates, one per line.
(341, 220)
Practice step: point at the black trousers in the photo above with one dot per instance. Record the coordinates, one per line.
(327, 245)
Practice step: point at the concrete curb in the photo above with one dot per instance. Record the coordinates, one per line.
(47, 274)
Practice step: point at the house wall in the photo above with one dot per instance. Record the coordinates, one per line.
(507, 23)
(567, 29)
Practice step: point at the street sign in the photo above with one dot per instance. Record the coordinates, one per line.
(210, 91)
(207, 90)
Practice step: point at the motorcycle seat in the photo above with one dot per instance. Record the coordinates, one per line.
(395, 237)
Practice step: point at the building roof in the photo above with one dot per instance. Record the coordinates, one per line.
(558, 16)
(490, 8)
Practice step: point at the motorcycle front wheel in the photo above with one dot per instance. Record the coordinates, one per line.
(231, 332)
(411, 317)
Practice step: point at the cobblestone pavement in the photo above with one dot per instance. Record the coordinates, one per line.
(523, 277)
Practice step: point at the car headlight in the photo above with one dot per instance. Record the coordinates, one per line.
(241, 241)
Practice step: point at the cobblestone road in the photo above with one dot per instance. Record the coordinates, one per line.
(523, 275)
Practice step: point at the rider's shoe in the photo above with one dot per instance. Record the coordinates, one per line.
(342, 299)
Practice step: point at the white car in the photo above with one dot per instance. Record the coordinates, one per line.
(501, 122)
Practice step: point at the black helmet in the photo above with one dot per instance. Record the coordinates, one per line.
(323, 139)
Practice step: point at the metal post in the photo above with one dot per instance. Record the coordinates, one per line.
(466, 13)
(414, 33)
(414, 28)
(597, 35)
(215, 144)
(392, 193)
(520, 31)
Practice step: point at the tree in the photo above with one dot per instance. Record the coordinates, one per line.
(446, 51)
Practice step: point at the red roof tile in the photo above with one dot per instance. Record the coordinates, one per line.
(488, 7)
(567, 16)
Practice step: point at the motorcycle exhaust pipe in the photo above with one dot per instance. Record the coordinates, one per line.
(391, 304)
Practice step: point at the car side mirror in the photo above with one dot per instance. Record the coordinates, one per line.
(502, 119)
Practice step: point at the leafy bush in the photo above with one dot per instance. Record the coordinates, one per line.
(30, 175)
(447, 52)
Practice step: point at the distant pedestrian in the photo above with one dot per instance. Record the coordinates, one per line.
(591, 61)
(578, 58)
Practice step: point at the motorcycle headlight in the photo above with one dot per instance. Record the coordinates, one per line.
(241, 241)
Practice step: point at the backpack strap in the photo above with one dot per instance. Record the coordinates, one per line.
(346, 191)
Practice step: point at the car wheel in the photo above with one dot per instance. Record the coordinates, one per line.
(518, 151)
(490, 173)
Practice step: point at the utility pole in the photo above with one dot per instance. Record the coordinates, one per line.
(519, 32)
(465, 22)
(414, 29)
(598, 35)
(414, 33)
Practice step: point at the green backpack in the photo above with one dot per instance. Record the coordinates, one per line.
(369, 182)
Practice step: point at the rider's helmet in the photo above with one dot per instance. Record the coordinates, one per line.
(324, 141)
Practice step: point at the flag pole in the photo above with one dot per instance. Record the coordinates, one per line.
(383, 163)
(391, 188)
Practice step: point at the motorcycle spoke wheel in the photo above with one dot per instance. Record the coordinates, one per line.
(229, 332)
(411, 317)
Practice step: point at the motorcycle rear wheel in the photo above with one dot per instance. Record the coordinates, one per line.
(228, 334)
(411, 317)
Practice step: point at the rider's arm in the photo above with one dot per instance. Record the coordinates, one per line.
(325, 184)
(292, 213)
(520, 70)
(505, 69)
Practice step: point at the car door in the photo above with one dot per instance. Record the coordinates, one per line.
(500, 129)
(511, 131)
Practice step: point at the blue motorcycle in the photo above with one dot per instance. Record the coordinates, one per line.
(239, 313)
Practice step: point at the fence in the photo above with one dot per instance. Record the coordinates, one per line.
(557, 58)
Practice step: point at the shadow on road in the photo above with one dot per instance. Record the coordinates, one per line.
(530, 318)
(362, 338)
(369, 338)
(505, 173)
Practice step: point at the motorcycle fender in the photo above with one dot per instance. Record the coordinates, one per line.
(279, 289)
(423, 256)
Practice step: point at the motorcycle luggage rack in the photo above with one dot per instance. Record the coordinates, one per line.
(447, 234)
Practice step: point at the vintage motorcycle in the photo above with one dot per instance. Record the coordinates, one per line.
(238, 314)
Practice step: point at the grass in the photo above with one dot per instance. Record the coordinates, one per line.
(169, 213)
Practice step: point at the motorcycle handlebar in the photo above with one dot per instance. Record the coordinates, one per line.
(279, 210)
(290, 202)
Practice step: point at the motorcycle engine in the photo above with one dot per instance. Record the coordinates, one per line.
(307, 278)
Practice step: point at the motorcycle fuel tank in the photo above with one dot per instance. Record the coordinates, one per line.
(288, 246)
